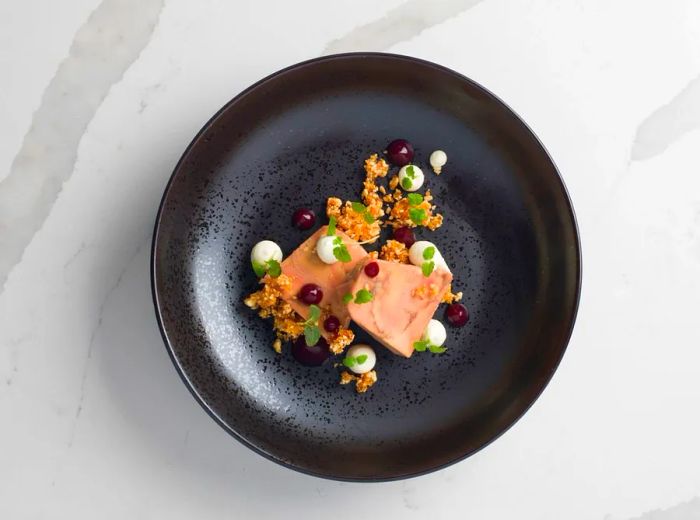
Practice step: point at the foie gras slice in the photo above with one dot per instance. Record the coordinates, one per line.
(403, 303)
(304, 266)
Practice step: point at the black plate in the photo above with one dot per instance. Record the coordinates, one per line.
(294, 139)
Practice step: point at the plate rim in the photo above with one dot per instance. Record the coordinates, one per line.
(154, 254)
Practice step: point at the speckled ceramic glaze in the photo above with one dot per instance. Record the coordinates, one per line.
(294, 139)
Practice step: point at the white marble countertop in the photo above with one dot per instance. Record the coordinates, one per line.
(98, 98)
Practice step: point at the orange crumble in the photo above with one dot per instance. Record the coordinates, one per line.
(341, 340)
(268, 302)
(399, 214)
(393, 182)
(351, 222)
(362, 382)
(450, 297)
(425, 291)
(394, 251)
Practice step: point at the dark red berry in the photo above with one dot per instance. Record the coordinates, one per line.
(303, 218)
(331, 324)
(310, 294)
(311, 356)
(405, 236)
(372, 269)
(457, 315)
(400, 152)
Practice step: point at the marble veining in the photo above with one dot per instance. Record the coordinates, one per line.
(668, 123)
(103, 48)
(403, 22)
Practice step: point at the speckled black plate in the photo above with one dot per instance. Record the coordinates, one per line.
(294, 139)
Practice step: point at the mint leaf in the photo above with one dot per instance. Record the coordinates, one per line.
(429, 252)
(311, 334)
(414, 198)
(406, 183)
(427, 268)
(341, 253)
(349, 362)
(331, 227)
(410, 172)
(358, 207)
(259, 269)
(436, 350)
(361, 359)
(420, 346)
(363, 296)
(347, 298)
(274, 268)
(417, 215)
(314, 314)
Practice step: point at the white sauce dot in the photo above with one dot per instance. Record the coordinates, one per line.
(438, 159)
(435, 333)
(362, 350)
(415, 255)
(324, 249)
(409, 183)
(264, 251)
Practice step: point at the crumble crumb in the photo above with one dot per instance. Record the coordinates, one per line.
(399, 215)
(450, 297)
(341, 340)
(351, 222)
(365, 381)
(362, 382)
(393, 182)
(268, 301)
(346, 377)
(394, 251)
(425, 291)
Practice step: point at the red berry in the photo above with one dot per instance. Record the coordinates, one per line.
(457, 315)
(311, 356)
(400, 152)
(303, 218)
(405, 236)
(372, 269)
(310, 294)
(331, 324)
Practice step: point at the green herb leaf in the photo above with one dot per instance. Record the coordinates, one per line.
(314, 314)
(259, 269)
(274, 268)
(363, 296)
(358, 207)
(351, 361)
(311, 334)
(414, 198)
(429, 252)
(410, 172)
(421, 345)
(347, 298)
(341, 253)
(331, 227)
(436, 350)
(427, 268)
(406, 183)
(417, 215)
